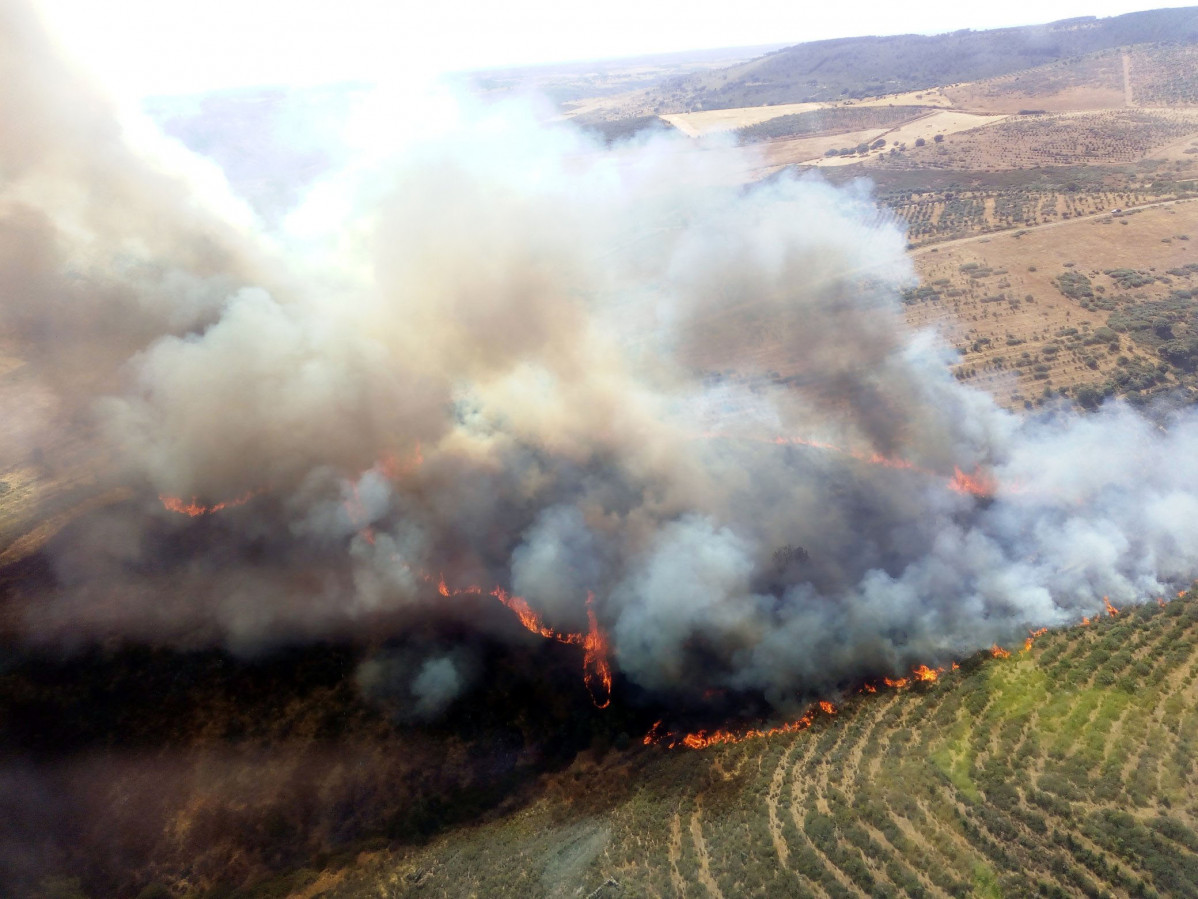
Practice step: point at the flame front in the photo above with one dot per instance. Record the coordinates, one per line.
(194, 509)
(1110, 609)
(978, 484)
(596, 670)
(926, 674)
(1031, 637)
(998, 652)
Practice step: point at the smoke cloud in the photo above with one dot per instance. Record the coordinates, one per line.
(502, 355)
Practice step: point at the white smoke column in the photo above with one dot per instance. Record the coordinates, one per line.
(503, 354)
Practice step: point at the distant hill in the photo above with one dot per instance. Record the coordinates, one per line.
(872, 66)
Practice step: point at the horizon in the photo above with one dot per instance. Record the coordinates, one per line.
(142, 49)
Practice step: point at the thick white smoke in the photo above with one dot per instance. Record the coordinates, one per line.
(510, 357)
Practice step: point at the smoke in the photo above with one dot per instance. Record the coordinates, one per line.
(502, 355)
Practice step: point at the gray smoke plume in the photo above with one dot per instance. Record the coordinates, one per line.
(505, 356)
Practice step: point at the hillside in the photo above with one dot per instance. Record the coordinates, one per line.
(1064, 769)
(871, 66)
(452, 744)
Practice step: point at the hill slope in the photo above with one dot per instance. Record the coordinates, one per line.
(1062, 770)
(871, 66)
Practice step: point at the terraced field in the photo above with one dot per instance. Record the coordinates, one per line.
(1086, 138)
(1064, 769)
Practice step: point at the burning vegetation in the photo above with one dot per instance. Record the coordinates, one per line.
(557, 373)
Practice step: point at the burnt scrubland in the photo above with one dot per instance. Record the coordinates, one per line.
(1059, 767)
(1064, 768)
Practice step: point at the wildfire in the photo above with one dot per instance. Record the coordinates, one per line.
(998, 652)
(978, 484)
(926, 674)
(196, 509)
(1031, 638)
(1110, 609)
(703, 739)
(897, 683)
(596, 670)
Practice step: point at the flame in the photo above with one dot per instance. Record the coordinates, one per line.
(1085, 622)
(998, 652)
(926, 674)
(1160, 601)
(978, 484)
(394, 468)
(897, 684)
(868, 688)
(703, 739)
(1110, 609)
(195, 509)
(595, 668)
(1031, 638)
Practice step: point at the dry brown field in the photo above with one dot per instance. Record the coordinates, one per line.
(1017, 333)
(712, 121)
(1088, 82)
(1109, 137)
(1164, 75)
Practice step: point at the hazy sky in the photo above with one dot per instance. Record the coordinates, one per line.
(165, 46)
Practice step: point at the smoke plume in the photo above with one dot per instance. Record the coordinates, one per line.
(501, 355)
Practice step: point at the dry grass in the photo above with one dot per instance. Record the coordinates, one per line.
(926, 128)
(696, 124)
(1094, 138)
(1164, 75)
(999, 306)
(1090, 82)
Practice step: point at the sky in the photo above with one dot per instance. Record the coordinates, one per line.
(147, 47)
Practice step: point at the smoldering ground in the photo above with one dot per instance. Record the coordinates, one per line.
(502, 355)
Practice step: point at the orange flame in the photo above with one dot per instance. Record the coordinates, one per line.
(596, 670)
(868, 688)
(1032, 635)
(978, 484)
(926, 674)
(1110, 609)
(1160, 601)
(595, 666)
(998, 652)
(394, 468)
(827, 707)
(195, 509)
(703, 739)
(897, 684)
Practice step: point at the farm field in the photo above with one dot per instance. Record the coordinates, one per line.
(1000, 301)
